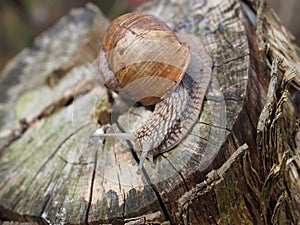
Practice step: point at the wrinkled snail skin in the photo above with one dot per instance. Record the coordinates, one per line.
(173, 117)
(176, 113)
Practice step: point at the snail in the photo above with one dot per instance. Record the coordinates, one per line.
(144, 59)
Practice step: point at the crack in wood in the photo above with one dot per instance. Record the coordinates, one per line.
(15, 134)
(233, 60)
(212, 177)
(48, 159)
(249, 175)
(91, 190)
(179, 173)
(79, 163)
(48, 111)
(147, 178)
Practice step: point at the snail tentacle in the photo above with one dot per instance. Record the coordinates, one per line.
(144, 147)
(122, 136)
(130, 57)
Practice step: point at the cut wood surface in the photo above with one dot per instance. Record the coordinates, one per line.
(238, 165)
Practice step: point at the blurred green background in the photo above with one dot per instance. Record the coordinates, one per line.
(22, 20)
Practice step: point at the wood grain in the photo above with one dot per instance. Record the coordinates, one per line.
(51, 171)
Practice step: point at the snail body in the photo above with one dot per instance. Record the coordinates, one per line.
(178, 108)
(173, 117)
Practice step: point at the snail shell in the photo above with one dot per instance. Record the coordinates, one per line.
(145, 58)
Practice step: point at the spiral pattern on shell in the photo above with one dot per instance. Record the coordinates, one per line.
(146, 57)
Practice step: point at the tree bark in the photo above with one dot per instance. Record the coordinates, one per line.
(238, 165)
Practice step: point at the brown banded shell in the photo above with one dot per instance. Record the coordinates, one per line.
(146, 57)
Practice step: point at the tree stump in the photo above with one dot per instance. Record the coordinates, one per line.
(238, 165)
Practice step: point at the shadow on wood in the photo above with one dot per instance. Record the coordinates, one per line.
(239, 163)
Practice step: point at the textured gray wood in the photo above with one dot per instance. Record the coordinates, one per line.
(51, 171)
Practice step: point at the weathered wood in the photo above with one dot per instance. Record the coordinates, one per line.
(51, 171)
